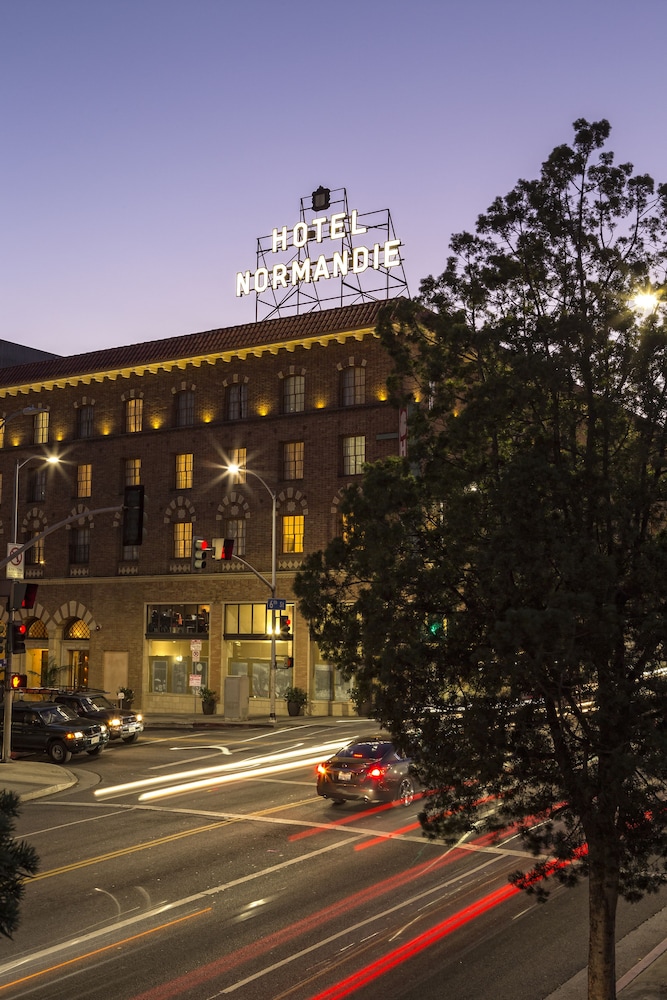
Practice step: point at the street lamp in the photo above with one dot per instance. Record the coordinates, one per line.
(8, 699)
(234, 470)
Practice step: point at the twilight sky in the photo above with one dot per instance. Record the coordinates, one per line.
(147, 144)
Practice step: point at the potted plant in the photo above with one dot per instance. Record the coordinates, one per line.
(208, 700)
(296, 698)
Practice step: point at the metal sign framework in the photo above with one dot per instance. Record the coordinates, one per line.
(372, 284)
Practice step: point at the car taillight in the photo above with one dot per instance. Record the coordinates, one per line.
(321, 768)
(376, 772)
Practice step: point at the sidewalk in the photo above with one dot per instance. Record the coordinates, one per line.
(643, 953)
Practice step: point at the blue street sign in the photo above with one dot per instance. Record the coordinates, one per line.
(276, 604)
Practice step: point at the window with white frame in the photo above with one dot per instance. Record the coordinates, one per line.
(294, 393)
(293, 525)
(293, 460)
(353, 386)
(85, 421)
(84, 480)
(184, 408)
(132, 472)
(235, 527)
(79, 546)
(354, 455)
(41, 427)
(184, 469)
(182, 540)
(237, 401)
(134, 415)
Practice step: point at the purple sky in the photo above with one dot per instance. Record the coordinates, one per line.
(146, 144)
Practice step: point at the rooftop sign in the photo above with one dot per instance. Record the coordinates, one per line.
(343, 245)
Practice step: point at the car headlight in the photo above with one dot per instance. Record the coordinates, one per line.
(139, 717)
(103, 728)
(114, 722)
(75, 736)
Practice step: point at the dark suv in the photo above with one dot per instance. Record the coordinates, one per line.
(42, 726)
(123, 724)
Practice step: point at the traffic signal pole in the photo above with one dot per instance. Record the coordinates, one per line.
(9, 692)
(18, 550)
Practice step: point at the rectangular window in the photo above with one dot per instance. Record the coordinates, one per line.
(184, 467)
(293, 460)
(293, 533)
(239, 456)
(237, 401)
(41, 427)
(294, 394)
(353, 386)
(34, 556)
(183, 540)
(251, 619)
(185, 408)
(79, 548)
(37, 485)
(84, 421)
(132, 472)
(84, 480)
(134, 415)
(354, 455)
(235, 527)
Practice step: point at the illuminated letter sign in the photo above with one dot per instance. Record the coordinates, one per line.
(337, 226)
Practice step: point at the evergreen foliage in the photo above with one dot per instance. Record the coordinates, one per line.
(18, 860)
(529, 518)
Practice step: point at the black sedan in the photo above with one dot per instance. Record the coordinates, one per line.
(368, 770)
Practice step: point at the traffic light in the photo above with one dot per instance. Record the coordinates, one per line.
(133, 515)
(17, 637)
(24, 596)
(285, 627)
(19, 681)
(199, 553)
(223, 548)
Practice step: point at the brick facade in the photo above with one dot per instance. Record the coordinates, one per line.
(92, 617)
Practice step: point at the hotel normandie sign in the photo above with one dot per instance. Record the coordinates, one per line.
(348, 260)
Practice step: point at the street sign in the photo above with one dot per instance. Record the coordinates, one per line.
(195, 649)
(276, 604)
(15, 565)
(195, 680)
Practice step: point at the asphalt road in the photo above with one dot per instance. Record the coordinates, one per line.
(201, 865)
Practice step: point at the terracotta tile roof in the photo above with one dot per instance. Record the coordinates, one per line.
(231, 339)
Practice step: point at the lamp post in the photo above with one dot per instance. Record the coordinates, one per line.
(235, 470)
(9, 694)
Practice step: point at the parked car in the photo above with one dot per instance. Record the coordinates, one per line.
(122, 723)
(368, 770)
(44, 727)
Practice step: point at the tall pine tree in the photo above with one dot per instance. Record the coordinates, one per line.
(502, 592)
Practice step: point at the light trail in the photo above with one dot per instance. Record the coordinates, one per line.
(298, 757)
(99, 951)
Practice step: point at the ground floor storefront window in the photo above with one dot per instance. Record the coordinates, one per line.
(171, 666)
